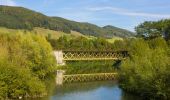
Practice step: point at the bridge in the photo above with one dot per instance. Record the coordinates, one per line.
(62, 56)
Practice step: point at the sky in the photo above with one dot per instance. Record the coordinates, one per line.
(120, 13)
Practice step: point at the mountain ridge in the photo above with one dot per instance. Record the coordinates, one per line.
(23, 18)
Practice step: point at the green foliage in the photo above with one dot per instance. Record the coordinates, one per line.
(85, 67)
(18, 82)
(39, 53)
(120, 45)
(22, 18)
(153, 29)
(146, 71)
(82, 43)
(25, 60)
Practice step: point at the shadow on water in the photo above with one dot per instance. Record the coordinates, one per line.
(107, 90)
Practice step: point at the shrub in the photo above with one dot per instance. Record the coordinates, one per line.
(146, 71)
(25, 61)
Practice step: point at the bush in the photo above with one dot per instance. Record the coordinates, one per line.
(25, 61)
(146, 71)
(39, 55)
(18, 82)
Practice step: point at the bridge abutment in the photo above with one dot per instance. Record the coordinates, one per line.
(59, 57)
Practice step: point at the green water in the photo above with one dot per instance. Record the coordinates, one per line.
(89, 91)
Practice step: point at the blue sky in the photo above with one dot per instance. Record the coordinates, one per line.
(121, 13)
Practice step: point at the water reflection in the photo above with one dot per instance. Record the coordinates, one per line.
(90, 91)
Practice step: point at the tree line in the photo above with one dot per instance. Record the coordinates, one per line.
(85, 44)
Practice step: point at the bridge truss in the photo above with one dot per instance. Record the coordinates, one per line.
(94, 55)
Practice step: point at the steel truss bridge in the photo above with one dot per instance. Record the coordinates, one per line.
(94, 55)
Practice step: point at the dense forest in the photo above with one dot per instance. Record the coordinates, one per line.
(22, 18)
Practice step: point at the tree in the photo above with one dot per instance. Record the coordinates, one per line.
(146, 71)
(152, 29)
(25, 61)
(39, 55)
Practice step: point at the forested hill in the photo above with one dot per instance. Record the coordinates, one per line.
(22, 18)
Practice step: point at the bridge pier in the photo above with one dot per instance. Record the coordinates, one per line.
(59, 57)
(59, 77)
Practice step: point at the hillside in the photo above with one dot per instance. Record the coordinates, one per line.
(22, 18)
(54, 34)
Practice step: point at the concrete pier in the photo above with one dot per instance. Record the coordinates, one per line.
(59, 57)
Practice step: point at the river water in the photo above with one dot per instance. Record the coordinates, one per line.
(90, 91)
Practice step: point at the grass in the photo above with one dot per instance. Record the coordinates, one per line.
(112, 40)
(6, 30)
(54, 34)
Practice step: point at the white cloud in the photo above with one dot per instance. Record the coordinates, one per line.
(121, 11)
(7, 2)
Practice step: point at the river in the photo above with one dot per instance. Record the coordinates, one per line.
(90, 91)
